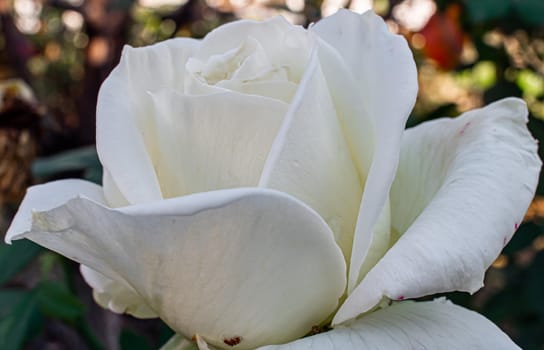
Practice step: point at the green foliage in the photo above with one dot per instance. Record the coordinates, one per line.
(16, 256)
(9, 298)
(130, 340)
(486, 10)
(22, 313)
(84, 160)
(56, 301)
(19, 322)
(529, 11)
(530, 83)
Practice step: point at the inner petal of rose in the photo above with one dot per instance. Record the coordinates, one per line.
(245, 63)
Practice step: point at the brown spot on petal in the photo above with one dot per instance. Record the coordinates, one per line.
(319, 329)
(232, 341)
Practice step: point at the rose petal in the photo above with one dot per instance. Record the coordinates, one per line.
(280, 90)
(125, 139)
(285, 45)
(213, 142)
(115, 295)
(250, 263)
(47, 197)
(178, 342)
(114, 197)
(311, 161)
(436, 325)
(385, 79)
(462, 187)
(275, 89)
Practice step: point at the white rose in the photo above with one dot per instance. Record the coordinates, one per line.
(251, 191)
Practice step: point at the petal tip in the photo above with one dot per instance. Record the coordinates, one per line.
(126, 50)
(515, 104)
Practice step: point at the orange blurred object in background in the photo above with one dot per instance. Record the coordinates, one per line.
(443, 37)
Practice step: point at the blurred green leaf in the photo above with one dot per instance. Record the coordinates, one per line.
(165, 333)
(484, 74)
(47, 262)
(18, 324)
(55, 300)
(130, 340)
(93, 174)
(530, 11)
(178, 342)
(486, 10)
(83, 159)
(8, 299)
(15, 257)
(530, 82)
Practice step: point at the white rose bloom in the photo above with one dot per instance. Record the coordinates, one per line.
(260, 182)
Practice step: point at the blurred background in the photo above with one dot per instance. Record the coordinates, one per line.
(469, 53)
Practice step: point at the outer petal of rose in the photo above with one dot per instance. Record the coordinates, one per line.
(250, 263)
(179, 342)
(462, 187)
(437, 325)
(125, 137)
(114, 295)
(384, 75)
(213, 142)
(311, 161)
(49, 196)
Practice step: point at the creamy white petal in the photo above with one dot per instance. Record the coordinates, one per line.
(461, 190)
(244, 69)
(276, 89)
(125, 136)
(245, 61)
(114, 197)
(311, 160)
(108, 293)
(381, 241)
(213, 142)
(49, 196)
(385, 86)
(115, 295)
(178, 342)
(436, 325)
(284, 45)
(250, 263)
